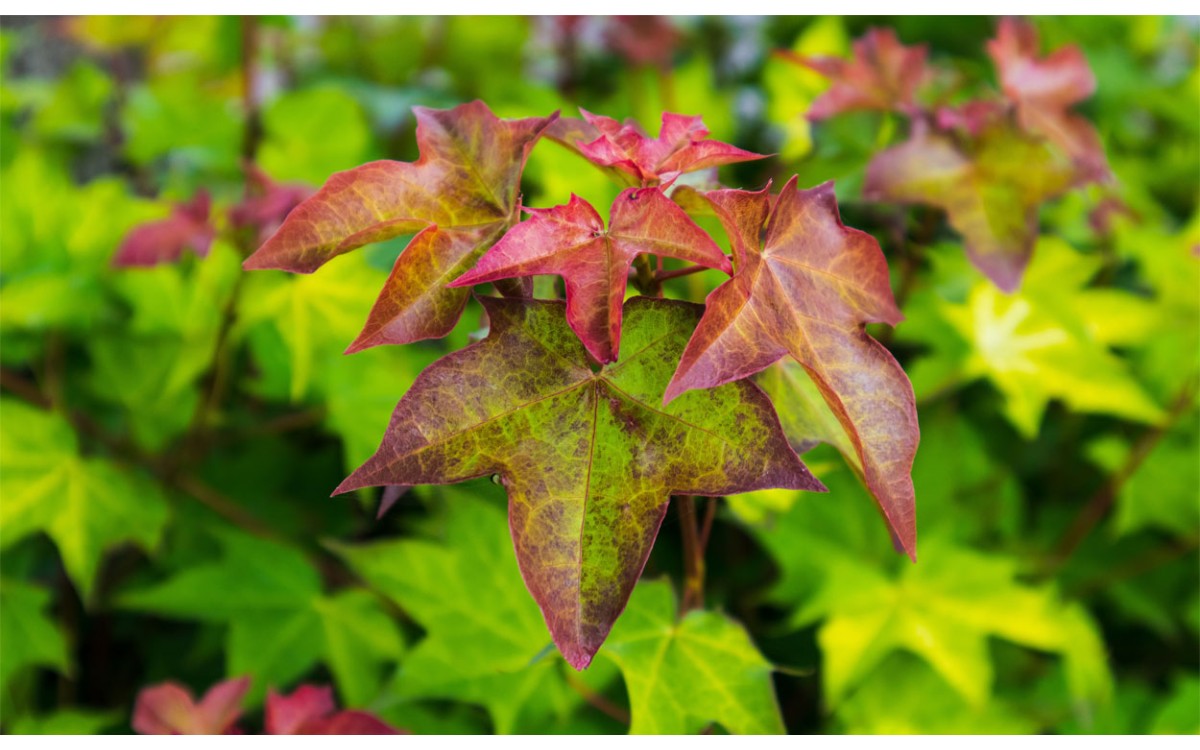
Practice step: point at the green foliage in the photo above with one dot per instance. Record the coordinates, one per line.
(32, 639)
(169, 436)
(682, 674)
(280, 622)
(486, 639)
(86, 505)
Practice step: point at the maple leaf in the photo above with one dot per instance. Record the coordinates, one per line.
(85, 504)
(266, 204)
(483, 633)
(638, 159)
(1043, 89)
(164, 241)
(169, 708)
(990, 188)
(944, 613)
(807, 293)
(571, 241)
(31, 638)
(460, 197)
(280, 622)
(588, 458)
(905, 696)
(310, 709)
(1050, 340)
(643, 40)
(683, 674)
(882, 74)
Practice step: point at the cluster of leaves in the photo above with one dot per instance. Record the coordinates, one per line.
(310, 709)
(171, 424)
(988, 162)
(591, 450)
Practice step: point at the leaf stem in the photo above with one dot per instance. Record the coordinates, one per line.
(217, 377)
(647, 282)
(693, 555)
(662, 276)
(612, 710)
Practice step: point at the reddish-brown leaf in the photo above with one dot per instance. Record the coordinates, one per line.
(589, 458)
(1044, 88)
(286, 714)
(807, 291)
(460, 197)
(265, 206)
(165, 240)
(570, 241)
(643, 40)
(168, 708)
(682, 146)
(882, 74)
(990, 188)
(310, 709)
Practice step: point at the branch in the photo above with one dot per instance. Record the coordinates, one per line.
(25, 389)
(1098, 506)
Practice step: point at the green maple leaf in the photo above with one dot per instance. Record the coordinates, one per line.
(86, 505)
(484, 635)
(1048, 341)
(944, 610)
(55, 240)
(589, 458)
(31, 639)
(1179, 714)
(151, 366)
(905, 696)
(683, 674)
(485, 638)
(309, 318)
(281, 623)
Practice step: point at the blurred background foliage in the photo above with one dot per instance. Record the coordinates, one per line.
(169, 435)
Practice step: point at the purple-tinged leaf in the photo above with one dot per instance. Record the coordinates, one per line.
(806, 291)
(571, 241)
(165, 241)
(168, 708)
(1044, 89)
(460, 197)
(882, 74)
(589, 459)
(682, 146)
